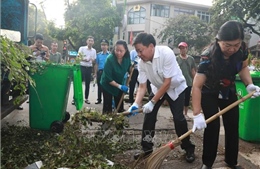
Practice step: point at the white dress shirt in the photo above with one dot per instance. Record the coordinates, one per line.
(163, 65)
(87, 54)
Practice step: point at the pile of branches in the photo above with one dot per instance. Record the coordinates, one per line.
(72, 148)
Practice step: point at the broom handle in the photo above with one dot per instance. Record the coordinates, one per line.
(221, 112)
(127, 112)
(127, 83)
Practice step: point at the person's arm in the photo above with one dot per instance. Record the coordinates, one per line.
(93, 60)
(108, 70)
(198, 83)
(193, 68)
(244, 74)
(141, 90)
(96, 69)
(193, 72)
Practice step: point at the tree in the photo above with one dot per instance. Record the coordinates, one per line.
(186, 28)
(242, 10)
(42, 25)
(88, 17)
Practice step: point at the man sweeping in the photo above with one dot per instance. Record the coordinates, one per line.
(158, 65)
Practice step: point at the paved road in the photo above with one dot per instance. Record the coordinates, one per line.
(249, 156)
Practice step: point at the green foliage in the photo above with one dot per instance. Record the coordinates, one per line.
(241, 10)
(187, 28)
(14, 64)
(89, 17)
(91, 115)
(73, 148)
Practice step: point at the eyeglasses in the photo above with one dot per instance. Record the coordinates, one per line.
(120, 51)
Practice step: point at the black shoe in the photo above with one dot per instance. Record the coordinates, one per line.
(205, 167)
(235, 167)
(72, 102)
(19, 108)
(190, 157)
(121, 110)
(142, 154)
(86, 101)
(97, 102)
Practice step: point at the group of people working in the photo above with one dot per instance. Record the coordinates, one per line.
(171, 78)
(213, 89)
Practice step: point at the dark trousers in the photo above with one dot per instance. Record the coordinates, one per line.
(148, 85)
(86, 76)
(178, 118)
(132, 85)
(210, 106)
(187, 96)
(107, 102)
(100, 90)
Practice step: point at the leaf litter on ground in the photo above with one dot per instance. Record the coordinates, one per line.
(22, 146)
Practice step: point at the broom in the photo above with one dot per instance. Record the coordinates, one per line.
(155, 160)
(108, 124)
(127, 83)
(125, 113)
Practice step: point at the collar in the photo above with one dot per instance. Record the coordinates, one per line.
(156, 53)
(105, 53)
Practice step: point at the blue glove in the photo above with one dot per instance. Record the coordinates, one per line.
(133, 107)
(123, 88)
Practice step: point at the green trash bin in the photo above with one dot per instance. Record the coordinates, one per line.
(49, 98)
(249, 111)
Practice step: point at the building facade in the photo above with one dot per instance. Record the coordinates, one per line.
(150, 15)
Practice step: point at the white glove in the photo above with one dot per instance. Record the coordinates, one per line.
(199, 122)
(148, 107)
(251, 87)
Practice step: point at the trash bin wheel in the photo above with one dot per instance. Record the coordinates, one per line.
(67, 117)
(57, 126)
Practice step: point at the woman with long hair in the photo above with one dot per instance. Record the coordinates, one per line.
(214, 88)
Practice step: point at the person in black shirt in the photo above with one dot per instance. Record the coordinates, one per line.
(214, 88)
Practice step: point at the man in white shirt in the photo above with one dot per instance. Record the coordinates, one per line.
(88, 58)
(158, 64)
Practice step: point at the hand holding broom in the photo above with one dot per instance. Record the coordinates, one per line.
(155, 160)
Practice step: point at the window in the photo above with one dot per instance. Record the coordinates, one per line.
(136, 16)
(204, 16)
(160, 10)
(135, 33)
(181, 11)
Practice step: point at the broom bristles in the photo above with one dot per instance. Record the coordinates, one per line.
(155, 160)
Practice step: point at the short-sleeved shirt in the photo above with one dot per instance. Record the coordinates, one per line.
(55, 57)
(186, 66)
(113, 71)
(101, 59)
(163, 65)
(224, 80)
(87, 54)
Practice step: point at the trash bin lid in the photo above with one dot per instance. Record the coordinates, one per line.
(254, 74)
